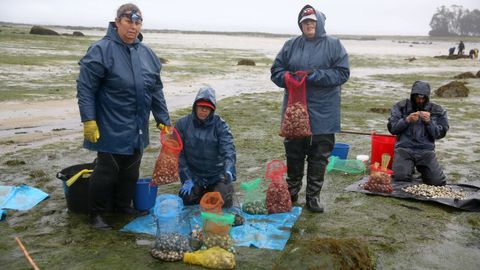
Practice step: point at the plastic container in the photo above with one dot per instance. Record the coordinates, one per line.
(340, 150)
(345, 165)
(374, 169)
(145, 195)
(365, 160)
(382, 144)
(77, 194)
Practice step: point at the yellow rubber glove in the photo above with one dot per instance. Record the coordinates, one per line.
(164, 128)
(90, 131)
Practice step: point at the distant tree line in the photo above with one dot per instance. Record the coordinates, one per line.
(455, 21)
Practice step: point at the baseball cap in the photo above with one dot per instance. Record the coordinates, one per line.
(308, 13)
(206, 103)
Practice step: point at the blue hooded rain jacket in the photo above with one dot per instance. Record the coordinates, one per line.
(418, 136)
(324, 55)
(208, 148)
(118, 85)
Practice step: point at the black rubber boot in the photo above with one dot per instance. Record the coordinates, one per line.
(314, 205)
(315, 174)
(294, 178)
(98, 222)
(295, 169)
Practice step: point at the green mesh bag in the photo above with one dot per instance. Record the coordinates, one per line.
(216, 230)
(351, 166)
(254, 197)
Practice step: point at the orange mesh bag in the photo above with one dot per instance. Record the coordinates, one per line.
(278, 197)
(296, 121)
(166, 167)
(211, 202)
(216, 230)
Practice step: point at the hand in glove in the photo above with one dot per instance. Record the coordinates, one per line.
(312, 75)
(164, 128)
(187, 187)
(229, 176)
(90, 131)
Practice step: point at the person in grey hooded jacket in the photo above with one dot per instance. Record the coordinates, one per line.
(207, 160)
(417, 123)
(118, 86)
(326, 61)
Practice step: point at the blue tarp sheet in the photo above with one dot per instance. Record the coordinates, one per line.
(261, 231)
(19, 198)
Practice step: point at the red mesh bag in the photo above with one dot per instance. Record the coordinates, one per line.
(278, 197)
(379, 180)
(211, 202)
(296, 121)
(166, 167)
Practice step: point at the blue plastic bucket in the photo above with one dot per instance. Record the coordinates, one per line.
(145, 195)
(340, 150)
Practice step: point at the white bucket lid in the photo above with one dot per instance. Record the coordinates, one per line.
(363, 157)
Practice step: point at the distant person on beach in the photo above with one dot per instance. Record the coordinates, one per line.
(461, 48)
(118, 86)
(473, 54)
(451, 50)
(207, 161)
(326, 62)
(418, 123)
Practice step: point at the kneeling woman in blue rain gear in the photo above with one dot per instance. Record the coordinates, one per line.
(207, 161)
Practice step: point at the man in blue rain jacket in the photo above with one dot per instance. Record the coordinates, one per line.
(326, 62)
(207, 161)
(418, 123)
(118, 85)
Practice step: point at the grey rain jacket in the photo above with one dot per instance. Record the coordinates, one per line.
(208, 148)
(118, 85)
(418, 135)
(325, 55)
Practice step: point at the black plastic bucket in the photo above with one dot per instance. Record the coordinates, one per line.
(76, 194)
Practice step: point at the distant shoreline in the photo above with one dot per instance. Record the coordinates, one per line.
(252, 34)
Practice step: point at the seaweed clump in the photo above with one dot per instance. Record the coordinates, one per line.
(326, 253)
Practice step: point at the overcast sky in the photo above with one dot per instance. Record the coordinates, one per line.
(369, 17)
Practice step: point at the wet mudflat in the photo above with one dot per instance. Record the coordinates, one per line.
(356, 230)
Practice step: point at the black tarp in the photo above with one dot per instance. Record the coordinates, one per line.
(470, 203)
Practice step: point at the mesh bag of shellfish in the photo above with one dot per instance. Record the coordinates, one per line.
(170, 243)
(379, 181)
(213, 258)
(211, 202)
(278, 197)
(254, 197)
(216, 230)
(166, 166)
(296, 121)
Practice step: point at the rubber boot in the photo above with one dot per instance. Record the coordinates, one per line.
(295, 169)
(98, 222)
(315, 176)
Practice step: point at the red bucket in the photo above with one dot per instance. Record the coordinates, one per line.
(382, 144)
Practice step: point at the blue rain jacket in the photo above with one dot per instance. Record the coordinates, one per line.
(325, 55)
(418, 135)
(118, 85)
(208, 148)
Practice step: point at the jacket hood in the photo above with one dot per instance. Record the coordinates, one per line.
(420, 88)
(112, 34)
(205, 93)
(320, 30)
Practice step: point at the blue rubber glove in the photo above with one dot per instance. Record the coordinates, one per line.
(312, 76)
(229, 176)
(187, 187)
